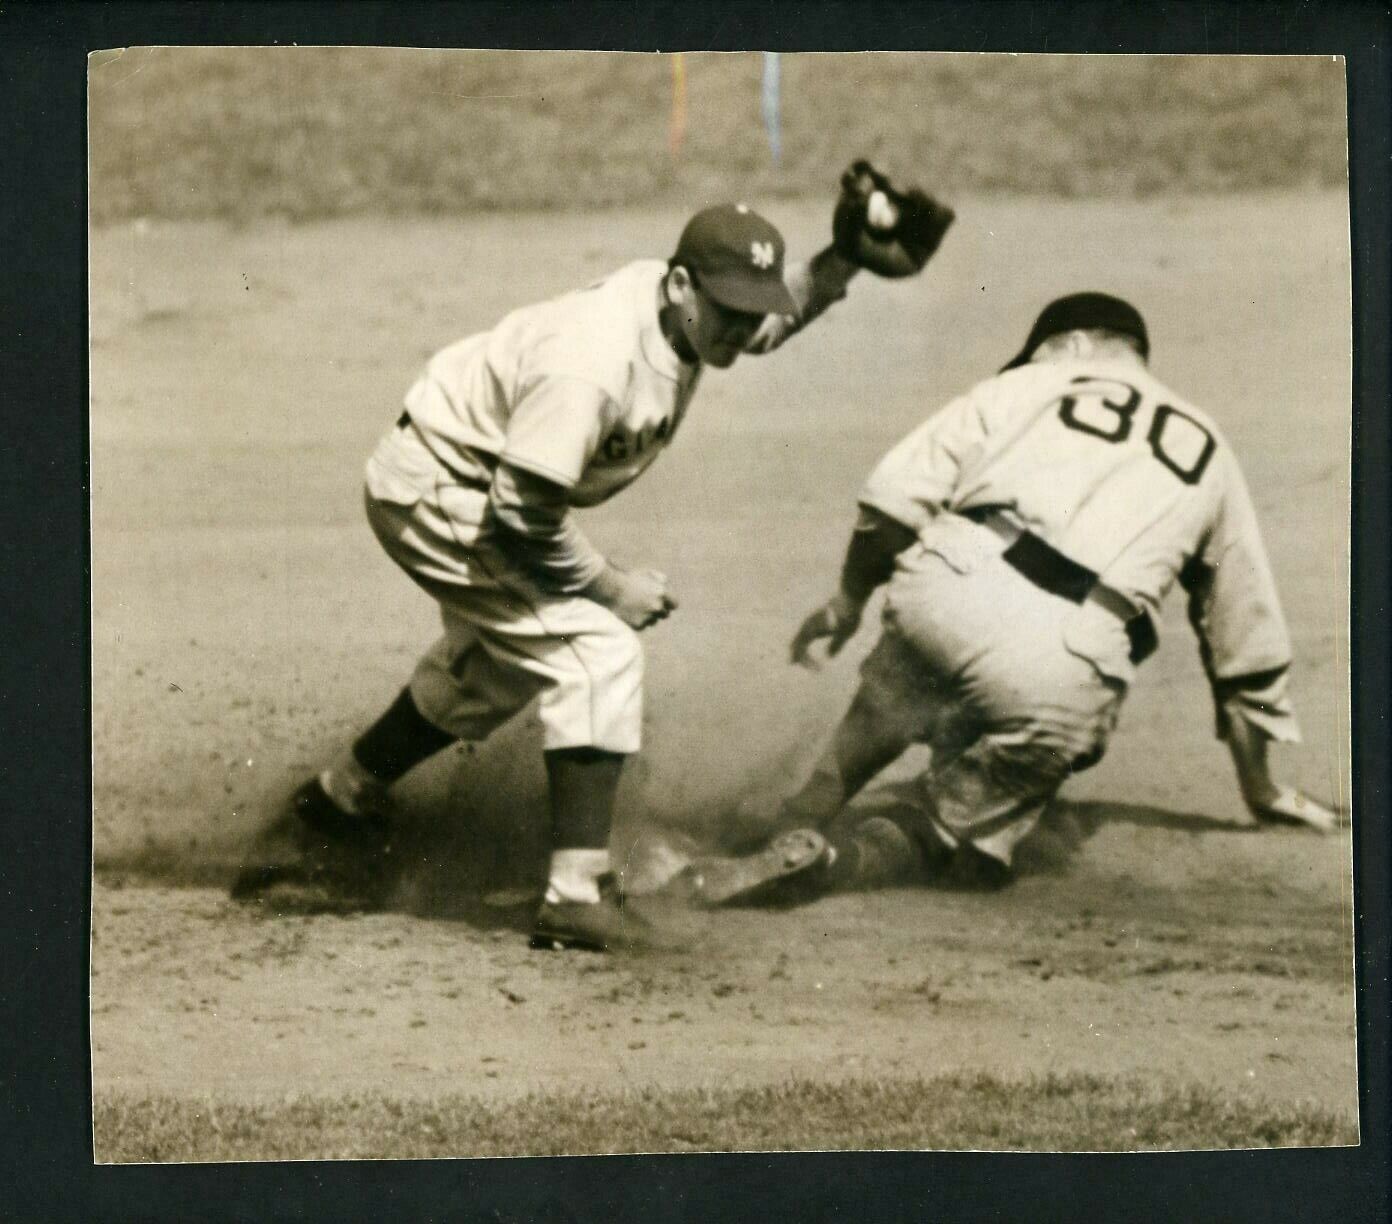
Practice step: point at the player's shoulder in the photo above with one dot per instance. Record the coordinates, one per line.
(1050, 378)
(1016, 389)
(1156, 388)
(595, 333)
(1168, 400)
(1027, 382)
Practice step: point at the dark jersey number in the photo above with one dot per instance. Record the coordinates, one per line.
(1092, 411)
(1164, 415)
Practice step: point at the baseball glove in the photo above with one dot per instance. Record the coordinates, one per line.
(892, 236)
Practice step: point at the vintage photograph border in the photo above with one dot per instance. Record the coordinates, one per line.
(45, 857)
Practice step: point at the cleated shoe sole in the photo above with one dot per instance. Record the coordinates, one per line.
(725, 881)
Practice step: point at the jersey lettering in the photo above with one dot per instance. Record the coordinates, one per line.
(615, 447)
(1091, 410)
(625, 444)
(1164, 414)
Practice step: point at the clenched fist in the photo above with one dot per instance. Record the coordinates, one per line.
(639, 598)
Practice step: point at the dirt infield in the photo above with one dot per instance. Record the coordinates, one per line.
(245, 622)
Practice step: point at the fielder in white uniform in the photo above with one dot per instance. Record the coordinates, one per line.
(562, 405)
(1028, 533)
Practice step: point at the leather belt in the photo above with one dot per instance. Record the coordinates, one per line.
(1042, 564)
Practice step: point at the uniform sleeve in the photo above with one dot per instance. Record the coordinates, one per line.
(545, 539)
(917, 478)
(815, 285)
(1236, 613)
(875, 544)
(556, 427)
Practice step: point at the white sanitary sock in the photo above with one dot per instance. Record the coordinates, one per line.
(575, 875)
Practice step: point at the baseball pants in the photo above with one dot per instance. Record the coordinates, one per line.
(1013, 688)
(505, 640)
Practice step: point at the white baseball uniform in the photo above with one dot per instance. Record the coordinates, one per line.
(1119, 488)
(583, 391)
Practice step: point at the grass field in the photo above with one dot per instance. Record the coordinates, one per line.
(1075, 1113)
(305, 133)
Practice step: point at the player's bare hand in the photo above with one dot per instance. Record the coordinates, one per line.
(835, 623)
(771, 333)
(1289, 807)
(639, 598)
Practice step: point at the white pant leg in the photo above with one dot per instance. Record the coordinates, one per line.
(457, 686)
(505, 639)
(1010, 702)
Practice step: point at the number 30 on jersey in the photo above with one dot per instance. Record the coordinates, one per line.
(1107, 409)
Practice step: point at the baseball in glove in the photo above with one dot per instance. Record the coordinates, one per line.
(883, 229)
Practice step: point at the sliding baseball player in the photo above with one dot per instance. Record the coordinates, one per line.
(1028, 533)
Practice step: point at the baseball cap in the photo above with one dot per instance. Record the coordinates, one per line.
(1081, 312)
(738, 258)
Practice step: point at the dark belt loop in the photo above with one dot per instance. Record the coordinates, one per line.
(1140, 632)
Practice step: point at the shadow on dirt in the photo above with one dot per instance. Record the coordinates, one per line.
(482, 862)
(1067, 827)
(1063, 833)
(479, 856)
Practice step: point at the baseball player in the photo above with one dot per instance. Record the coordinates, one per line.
(562, 405)
(1028, 533)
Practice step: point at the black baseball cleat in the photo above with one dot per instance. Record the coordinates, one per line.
(600, 926)
(318, 814)
(336, 861)
(610, 924)
(789, 868)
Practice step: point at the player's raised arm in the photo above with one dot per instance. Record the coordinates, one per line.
(876, 227)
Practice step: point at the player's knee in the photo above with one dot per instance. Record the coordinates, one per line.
(600, 700)
(879, 714)
(878, 853)
(1022, 768)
